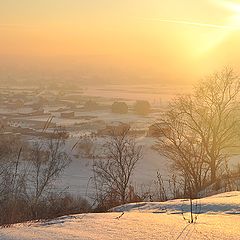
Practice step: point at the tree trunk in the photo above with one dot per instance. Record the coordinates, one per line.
(123, 197)
(213, 172)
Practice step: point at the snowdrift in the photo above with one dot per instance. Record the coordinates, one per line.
(224, 203)
(140, 221)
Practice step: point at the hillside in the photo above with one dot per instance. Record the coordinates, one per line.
(217, 218)
(224, 203)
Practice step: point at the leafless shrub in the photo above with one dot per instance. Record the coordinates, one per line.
(160, 188)
(27, 179)
(85, 146)
(47, 160)
(113, 171)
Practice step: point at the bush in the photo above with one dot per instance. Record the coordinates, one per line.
(18, 210)
(119, 107)
(142, 107)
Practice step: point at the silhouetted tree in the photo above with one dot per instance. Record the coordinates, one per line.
(48, 160)
(142, 107)
(119, 107)
(200, 128)
(115, 169)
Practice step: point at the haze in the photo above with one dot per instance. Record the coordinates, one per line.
(152, 41)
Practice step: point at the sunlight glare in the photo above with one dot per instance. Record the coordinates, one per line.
(217, 36)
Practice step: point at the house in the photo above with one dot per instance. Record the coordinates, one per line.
(157, 130)
(68, 114)
(3, 125)
(114, 129)
(16, 104)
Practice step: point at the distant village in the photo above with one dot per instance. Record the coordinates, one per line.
(24, 112)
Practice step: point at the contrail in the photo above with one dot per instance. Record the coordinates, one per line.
(196, 24)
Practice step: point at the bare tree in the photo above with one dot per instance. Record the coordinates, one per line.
(115, 169)
(13, 176)
(85, 146)
(216, 116)
(10, 152)
(48, 160)
(200, 129)
(9, 149)
(184, 150)
(27, 179)
(160, 188)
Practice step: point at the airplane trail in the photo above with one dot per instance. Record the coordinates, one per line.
(196, 24)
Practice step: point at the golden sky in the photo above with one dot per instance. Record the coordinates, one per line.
(144, 40)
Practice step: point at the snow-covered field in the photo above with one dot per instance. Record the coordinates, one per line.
(154, 93)
(227, 203)
(140, 221)
(77, 176)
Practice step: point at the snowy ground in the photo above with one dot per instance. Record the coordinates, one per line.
(145, 222)
(77, 177)
(227, 203)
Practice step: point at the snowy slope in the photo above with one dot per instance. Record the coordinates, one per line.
(228, 203)
(138, 222)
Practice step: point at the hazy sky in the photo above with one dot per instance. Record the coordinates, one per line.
(137, 40)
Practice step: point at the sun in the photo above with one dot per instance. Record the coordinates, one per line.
(234, 8)
(210, 39)
(232, 5)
